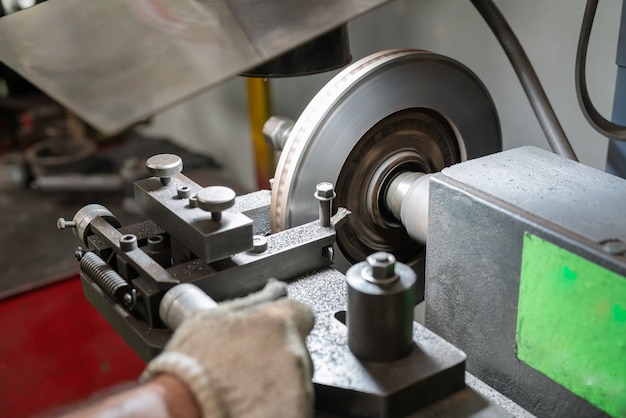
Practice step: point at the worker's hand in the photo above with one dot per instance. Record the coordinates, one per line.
(245, 358)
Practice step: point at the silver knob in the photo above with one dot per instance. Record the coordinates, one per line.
(164, 166)
(216, 199)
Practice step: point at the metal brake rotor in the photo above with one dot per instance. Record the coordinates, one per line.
(393, 111)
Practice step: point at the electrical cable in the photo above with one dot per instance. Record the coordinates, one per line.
(595, 119)
(528, 78)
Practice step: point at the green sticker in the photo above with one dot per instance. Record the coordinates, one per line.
(571, 323)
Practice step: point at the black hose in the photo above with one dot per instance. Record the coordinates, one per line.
(595, 119)
(528, 78)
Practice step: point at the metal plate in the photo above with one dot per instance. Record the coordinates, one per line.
(339, 119)
(479, 213)
(117, 62)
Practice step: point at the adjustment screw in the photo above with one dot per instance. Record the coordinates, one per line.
(325, 193)
(259, 244)
(382, 267)
(216, 199)
(128, 242)
(183, 192)
(79, 253)
(164, 166)
(614, 247)
(62, 224)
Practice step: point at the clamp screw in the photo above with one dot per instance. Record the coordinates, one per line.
(325, 193)
(164, 166)
(79, 253)
(216, 199)
(183, 191)
(128, 242)
(382, 267)
(62, 224)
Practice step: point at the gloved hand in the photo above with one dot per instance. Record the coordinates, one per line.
(245, 358)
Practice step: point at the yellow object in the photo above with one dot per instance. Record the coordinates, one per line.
(259, 111)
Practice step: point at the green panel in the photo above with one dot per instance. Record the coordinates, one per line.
(571, 323)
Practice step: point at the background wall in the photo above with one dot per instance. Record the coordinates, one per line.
(216, 123)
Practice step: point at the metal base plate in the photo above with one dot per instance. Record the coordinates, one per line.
(344, 384)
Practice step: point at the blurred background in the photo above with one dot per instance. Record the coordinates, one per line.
(216, 122)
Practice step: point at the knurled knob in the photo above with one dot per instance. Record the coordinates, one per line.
(216, 199)
(164, 166)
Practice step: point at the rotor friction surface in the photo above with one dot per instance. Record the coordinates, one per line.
(345, 115)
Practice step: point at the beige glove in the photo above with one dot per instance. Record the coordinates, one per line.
(245, 358)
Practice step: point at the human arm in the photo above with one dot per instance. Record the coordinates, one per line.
(245, 358)
(165, 396)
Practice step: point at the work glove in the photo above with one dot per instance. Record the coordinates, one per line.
(245, 358)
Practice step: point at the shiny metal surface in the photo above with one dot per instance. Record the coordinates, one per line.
(398, 92)
(118, 62)
(380, 308)
(181, 301)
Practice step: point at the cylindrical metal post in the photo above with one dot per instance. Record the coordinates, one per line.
(181, 301)
(381, 296)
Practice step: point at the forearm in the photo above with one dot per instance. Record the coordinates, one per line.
(163, 397)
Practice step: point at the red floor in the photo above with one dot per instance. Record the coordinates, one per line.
(55, 350)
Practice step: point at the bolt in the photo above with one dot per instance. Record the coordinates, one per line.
(193, 201)
(277, 130)
(128, 242)
(614, 247)
(62, 224)
(79, 253)
(156, 242)
(325, 193)
(183, 191)
(130, 299)
(216, 199)
(164, 166)
(259, 244)
(382, 268)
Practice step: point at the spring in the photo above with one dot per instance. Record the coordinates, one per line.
(108, 279)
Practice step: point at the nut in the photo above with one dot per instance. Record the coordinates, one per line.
(382, 265)
(325, 191)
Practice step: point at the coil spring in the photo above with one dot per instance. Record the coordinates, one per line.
(108, 279)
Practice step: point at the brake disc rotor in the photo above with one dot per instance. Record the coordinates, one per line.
(393, 111)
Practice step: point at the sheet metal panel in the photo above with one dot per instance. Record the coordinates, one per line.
(117, 62)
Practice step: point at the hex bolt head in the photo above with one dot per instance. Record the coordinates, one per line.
(325, 191)
(164, 166)
(382, 267)
(276, 131)
(216, 199)
(62, 224)
(128, 242)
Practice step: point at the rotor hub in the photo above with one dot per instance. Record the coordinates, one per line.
(394, 112)
(410, 140)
